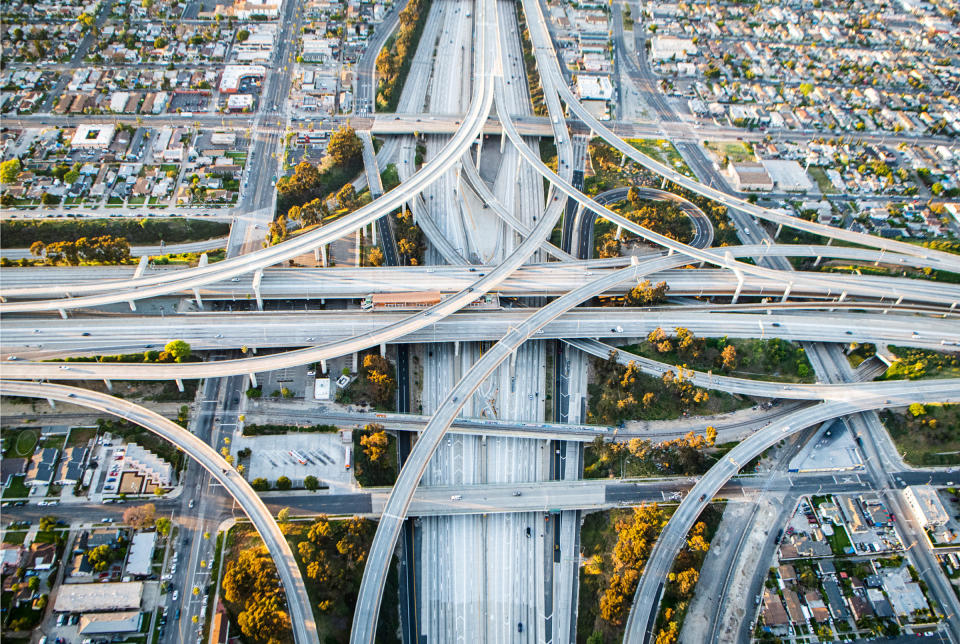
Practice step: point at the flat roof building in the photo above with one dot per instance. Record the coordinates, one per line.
(113, 596)
(93, 136)
(141, 553)
(99, 623)
(926, 506)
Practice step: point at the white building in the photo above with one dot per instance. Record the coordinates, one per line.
(926, 506)
(597, 88)
(788, 176)
(118, 101)
(93, 136)
(670, 48)
(149, 465)
(233, 74)
(239, 102)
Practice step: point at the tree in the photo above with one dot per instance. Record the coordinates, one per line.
(729, 356)
(37, 248)
(917, 410)
(178, 349)
(260, 484)
(48, 199)
(284, 483)
(71, 177)
(9, 170)
(242, 35)
(33, 583)
(347, 197)
(283, 515)
(140, 517)
(311, 482)
(163, 525)
(48, 523)
(645, 294)
(375, 257)
(345, 147)
(375, 445)
(100, 557)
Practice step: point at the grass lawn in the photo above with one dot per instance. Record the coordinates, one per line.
(734, 150)
(23, 443)
(663, 151)
(137, 201)
(17, 489)
(15, 537)
(839, 541)
(820, 176)
(80, 436)
(930, 439)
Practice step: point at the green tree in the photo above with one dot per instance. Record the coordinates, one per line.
(71, 176)
(917, 410)
(347, 197)
(283, 515)
(48, 523)
(163, 525)
(260, 484)
(242, 35)
(284, 483)
(345, 147)
(9, 170)
(311, 482)
(179, 349)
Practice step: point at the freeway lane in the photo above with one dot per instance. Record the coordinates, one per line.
(339, 333)
(301, 615)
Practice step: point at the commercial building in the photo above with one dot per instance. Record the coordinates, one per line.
(101, 623)
(670, 48)
(84, 598)
(239, 102)
(233, 74)
(140, 559)
(594, 88)
(750, 176)
(93, 136)
(788, 176)
(925, 504)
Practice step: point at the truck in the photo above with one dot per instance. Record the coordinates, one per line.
(347, 457)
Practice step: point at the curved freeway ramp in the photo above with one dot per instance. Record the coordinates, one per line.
(650, 589)
(702, 226)
(298, 603)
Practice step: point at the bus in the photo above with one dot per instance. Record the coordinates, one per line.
(348, 457)
(298, 457)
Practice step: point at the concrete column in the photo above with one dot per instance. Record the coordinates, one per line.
(479, 148)
(456, 187)
(817, 262)
(503, 140)
(779, 228)
(141, 267)
(253, 380)
(456, 348)
(323, 255)
(63, 313)
(356, 359)
(786, 292)
(323, 367)
(204, 260)
(316, 251)
(383, 349)
(180, 385)
(109, 385)
(619, 230)
(623, 159)
(358, 248)
(53, 404)
(257, 278)
(373, 233)
(133, 305)
(729, 257)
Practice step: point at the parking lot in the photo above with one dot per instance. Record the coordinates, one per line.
(189, 102)
(275, 456)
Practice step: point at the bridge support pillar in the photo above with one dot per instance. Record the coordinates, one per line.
(323, 367)
(619, 230)
(257, 278)
(180, 385)
(316, 254)
(106, 381)
(204, 260)
(479, 148)
(383, 349)
(728, 256)
(779, 228)
(141, 267)
(373, 233)
(817, 262)
(786, 292)
(356, 359)
(63, 313)
(53, 404)
(359, 236)
(456, 188)
(323, 255)
(133, 305)
(953, 306)
(503, 140)
(456, 348)
(253, 380)
(623, 160)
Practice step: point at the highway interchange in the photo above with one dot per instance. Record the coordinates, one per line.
(467, 563)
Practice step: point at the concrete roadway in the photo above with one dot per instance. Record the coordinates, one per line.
(702, 226)
(301, 615)
(649, 590)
